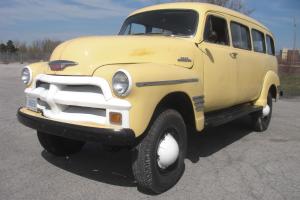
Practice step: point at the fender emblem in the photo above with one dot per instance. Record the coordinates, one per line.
(59, 65)
(184, 59)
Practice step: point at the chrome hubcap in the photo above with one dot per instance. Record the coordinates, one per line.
(266, 111)
(167, 151)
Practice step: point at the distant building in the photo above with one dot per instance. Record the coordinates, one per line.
(290, 56)
(283, 54)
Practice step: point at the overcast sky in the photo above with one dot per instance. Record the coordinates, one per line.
(28, 20)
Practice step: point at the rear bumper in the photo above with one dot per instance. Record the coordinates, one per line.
(119, 137)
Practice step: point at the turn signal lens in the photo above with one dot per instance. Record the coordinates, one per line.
(115, 118)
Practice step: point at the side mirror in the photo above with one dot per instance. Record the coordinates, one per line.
(213, 36)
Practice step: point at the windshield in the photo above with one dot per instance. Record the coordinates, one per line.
(161, 22)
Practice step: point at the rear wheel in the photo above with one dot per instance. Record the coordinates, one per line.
(261, 119)
(159, 158)
(59, 146)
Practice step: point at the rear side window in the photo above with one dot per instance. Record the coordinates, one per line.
(216, 30)
(240, 36)
(258, 39)
(270, 45)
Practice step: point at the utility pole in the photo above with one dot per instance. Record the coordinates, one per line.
(295, 41)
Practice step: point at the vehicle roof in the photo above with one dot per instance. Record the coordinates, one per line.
(201, 7)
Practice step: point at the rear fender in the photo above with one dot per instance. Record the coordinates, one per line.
(271, 79)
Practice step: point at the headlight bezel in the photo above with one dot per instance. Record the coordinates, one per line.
(129, 87)
(28, 69)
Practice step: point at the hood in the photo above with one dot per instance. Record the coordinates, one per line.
(91, 53)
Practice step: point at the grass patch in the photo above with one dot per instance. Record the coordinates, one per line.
(290, 84)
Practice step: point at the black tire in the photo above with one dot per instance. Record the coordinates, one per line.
(59, 146)
(148, 174)
(261, 123)
(112, 149)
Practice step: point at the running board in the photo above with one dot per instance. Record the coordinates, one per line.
(216, 118)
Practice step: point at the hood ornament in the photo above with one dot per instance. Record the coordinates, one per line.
(59, 65)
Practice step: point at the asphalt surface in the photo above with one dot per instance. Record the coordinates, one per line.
(229, 162)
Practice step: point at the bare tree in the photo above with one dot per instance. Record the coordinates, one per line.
(238, 5)
(16, 51)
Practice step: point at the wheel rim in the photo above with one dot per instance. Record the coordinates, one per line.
(167, 151)
(266, 114)
(266, 111)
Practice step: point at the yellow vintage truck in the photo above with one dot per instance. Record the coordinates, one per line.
(171, 66)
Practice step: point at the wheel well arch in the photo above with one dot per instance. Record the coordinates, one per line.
(270, 84)
(273, 91)
(180, 102)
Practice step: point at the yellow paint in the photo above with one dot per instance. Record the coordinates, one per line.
(228, 81)
(39, 68)
(271, 78)
(141, 52)
(223, 81)
(145, 99)
(93, 52)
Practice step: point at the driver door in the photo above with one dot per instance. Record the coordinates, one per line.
(220, 67)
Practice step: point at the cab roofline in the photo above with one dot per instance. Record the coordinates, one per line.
(200, 7)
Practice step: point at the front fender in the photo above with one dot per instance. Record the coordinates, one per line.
(144, 98)
(270, 79)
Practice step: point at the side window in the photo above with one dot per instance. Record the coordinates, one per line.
(240, 36)
(270, 45)
(216, 30)
(135, 29)
(258, 39)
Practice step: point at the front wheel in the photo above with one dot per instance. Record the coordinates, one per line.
(159, 158)
(59, 146)
(261, 119)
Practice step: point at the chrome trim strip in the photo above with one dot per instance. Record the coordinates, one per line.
(170, 82)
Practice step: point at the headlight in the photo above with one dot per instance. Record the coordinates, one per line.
(121, 83)
(26, 75)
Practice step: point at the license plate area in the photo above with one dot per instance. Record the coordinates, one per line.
(31, 103)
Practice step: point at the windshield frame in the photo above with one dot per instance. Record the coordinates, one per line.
(124, 26)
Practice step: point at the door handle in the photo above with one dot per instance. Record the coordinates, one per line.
(233, 55)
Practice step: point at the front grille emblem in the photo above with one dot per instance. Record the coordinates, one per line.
(59, 65)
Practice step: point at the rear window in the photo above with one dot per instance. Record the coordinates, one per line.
(258, 39)
(270, 45)
(240, 36)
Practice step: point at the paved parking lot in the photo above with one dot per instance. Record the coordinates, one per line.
(229, 162)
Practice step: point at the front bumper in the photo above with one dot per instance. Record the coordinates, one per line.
(109, 136)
